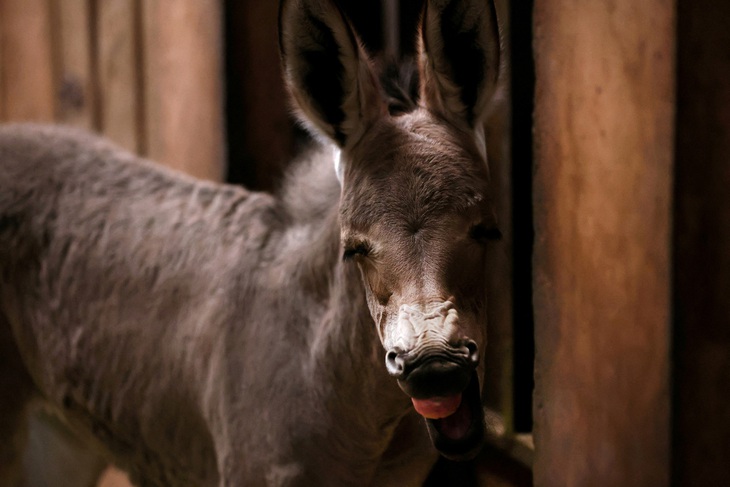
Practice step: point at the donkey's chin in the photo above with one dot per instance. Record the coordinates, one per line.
(460, 435)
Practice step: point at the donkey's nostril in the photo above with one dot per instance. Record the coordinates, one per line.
(394, 363)
(473, 348)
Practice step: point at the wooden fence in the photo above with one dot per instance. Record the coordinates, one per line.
(146, 73)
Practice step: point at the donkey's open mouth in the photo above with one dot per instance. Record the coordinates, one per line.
(443, 385)
(455, 423)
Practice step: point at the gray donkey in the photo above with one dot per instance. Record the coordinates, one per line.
(204, 335)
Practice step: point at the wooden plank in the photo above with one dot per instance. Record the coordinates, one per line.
(498, 357)
(75, 90)
(27, 60)
(702, 245)
(262, 139)
(118, 70)
(2, 64)
(604, 140)
(183, 85)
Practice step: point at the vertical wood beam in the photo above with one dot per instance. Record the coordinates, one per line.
(76, 103)
(702, 245)
(2, 63)
(27, 60)
(604, 140)
(183, 85)
(118, 67)
(259, 120)
(498, 357)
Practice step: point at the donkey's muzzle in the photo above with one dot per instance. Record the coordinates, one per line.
(433, 371)
(444, 388)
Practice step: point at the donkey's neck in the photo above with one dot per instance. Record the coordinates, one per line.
(345, 354)
(364, 403)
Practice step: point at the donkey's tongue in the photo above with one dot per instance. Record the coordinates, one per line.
(437, 407)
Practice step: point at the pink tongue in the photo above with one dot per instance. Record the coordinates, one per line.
(437, 407)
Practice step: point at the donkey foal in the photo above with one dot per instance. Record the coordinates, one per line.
(206, 335)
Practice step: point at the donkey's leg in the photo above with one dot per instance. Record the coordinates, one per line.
(16, 390)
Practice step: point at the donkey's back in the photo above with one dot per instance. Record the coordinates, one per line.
(109, 260)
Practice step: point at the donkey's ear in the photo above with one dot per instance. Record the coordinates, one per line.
(327, 71)
(459, 57)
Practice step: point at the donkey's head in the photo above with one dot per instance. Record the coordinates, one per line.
(415, 209)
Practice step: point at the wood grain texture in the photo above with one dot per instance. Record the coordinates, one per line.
(118, 66)
(74, 88)
(604, 145)
(259, 122)
(183, 89)
(498, 357)
(2, 66)
(702, 245)
(28, 76)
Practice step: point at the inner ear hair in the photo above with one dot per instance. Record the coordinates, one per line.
(326, 70)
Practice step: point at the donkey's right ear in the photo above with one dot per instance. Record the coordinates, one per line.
(460, 57)
(327, 71)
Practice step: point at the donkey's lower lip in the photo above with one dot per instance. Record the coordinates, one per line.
(460, 435)
(437, 407)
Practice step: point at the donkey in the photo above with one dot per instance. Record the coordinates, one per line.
(202, 334)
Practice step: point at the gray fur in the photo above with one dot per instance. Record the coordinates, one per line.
(202, 334)
(147, 305)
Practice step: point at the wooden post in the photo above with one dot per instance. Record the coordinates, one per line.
(702, 246)
(183, 89)
(260, 125)
(2, 64)
(27, 60)
(74, 87)
(604, 144)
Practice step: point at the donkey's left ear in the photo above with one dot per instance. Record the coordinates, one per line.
(327, 71)
(459, 57)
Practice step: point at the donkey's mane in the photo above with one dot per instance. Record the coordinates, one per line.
(310, 188)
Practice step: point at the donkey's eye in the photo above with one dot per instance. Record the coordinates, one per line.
(483, 233)
(361, 249)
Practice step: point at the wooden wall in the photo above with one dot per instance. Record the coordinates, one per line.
(146, 73)
(604, 125)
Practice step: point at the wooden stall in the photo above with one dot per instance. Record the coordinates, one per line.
(148, 74)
